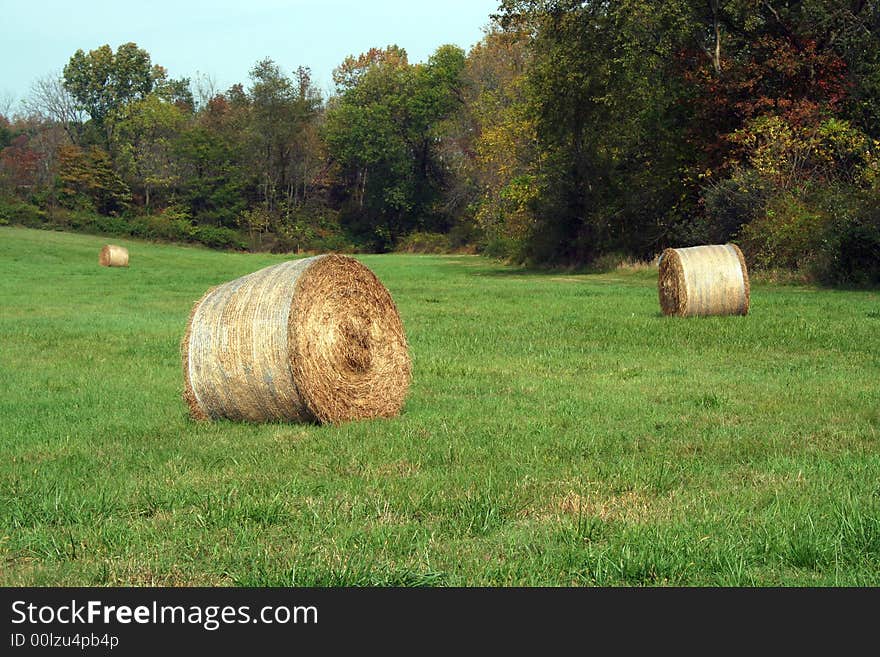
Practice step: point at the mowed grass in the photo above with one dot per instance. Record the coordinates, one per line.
(559, 431)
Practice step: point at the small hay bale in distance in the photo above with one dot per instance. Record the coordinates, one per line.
(312, 340)
(703, 280)
(113, 256)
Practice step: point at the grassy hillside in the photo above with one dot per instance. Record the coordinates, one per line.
(559, 431)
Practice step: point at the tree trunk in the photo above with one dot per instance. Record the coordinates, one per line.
(716, 25)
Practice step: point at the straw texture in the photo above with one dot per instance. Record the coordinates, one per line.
(703, 280)
(113, 256)
(318, 339)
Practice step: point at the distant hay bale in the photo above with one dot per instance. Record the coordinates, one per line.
(318, 339)
(703, 280)
(113, 256)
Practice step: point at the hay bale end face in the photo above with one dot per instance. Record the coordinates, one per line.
(703, 280)
(318, 339)
(113, 256)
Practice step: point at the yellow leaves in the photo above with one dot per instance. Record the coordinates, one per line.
(787, 152)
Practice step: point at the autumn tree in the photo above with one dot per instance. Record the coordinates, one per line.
(5, 132)
(492, 145)
(347, 75)
(19, 167)
(87, 181)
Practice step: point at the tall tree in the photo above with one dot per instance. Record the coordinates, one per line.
(491, 143)
(382, 133)
(102, 81)
(143, 144)
(282, 108)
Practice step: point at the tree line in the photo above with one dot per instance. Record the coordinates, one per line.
(573, 133)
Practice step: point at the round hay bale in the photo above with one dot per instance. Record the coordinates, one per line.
(317, 339)
(703, 280)
(113, 256)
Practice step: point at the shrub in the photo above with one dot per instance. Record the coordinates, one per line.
(218, 237)
(788, 235)
(109, 225)
(730, 204)
(171, 224)
(422, 242)
(13, 211)
(607, 262)
(315, 229)
(849, 249)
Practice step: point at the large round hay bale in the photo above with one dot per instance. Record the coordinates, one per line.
(317, 339)
(113, 256)
(703, 280)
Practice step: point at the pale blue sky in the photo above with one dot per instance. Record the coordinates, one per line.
(224, 39)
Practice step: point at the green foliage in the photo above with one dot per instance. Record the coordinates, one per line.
(828, 234)
(176, 92)
(103, 81)
(571, 131)
(218, 237)
(730, 204)
(171, 225)
(420, 242)
(144, 134)
(381, 131)
(787, 235)
(849, 252)
(211, 180)
(21, 213)
(279, 127)
(609, 107)
(256, 221)
(683, 123)
(312, 227)
(88, 181)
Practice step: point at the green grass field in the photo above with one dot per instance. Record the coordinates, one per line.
(559, 431)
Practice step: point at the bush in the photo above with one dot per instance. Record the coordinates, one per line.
(109, 225)
(788, 235)
(172, 224)
(218, 237)
(501, 248)
(421, 242)
(464, 236)
(13, 211)
(608, 262)
(313, 229)
(849, 252)
(730, 204)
